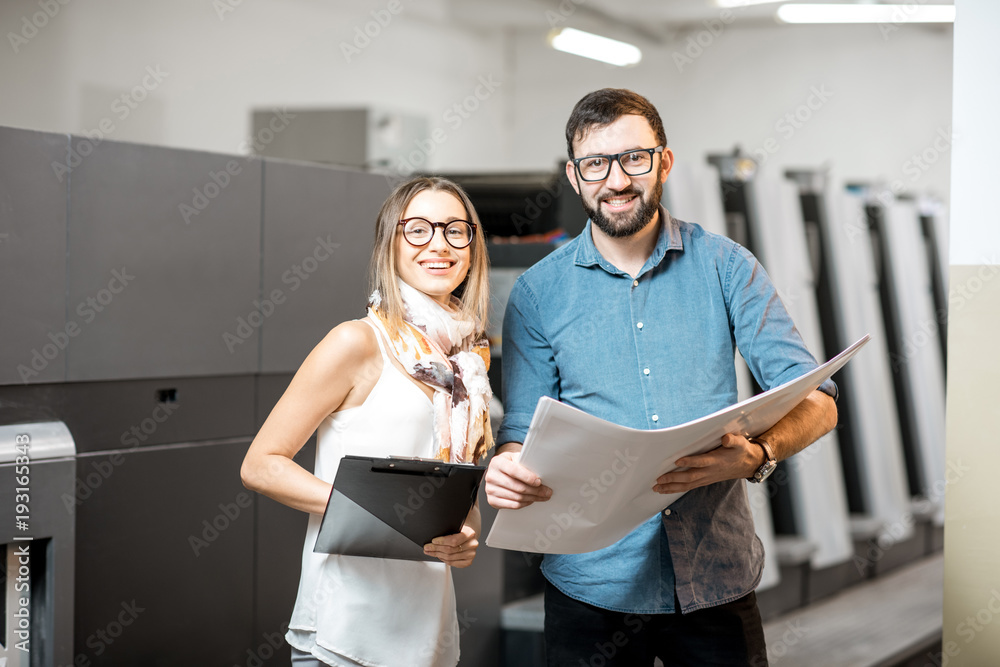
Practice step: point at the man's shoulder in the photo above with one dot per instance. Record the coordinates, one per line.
(694, 235)
(552, 265)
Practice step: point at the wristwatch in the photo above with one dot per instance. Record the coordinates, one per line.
(770, 463)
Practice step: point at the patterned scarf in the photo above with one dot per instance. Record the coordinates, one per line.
(436, 346)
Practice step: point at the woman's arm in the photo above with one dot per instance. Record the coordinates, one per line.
(338, 373)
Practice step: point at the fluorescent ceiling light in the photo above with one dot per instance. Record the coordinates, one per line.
(743, 3)
(588, 45)
(911, 13)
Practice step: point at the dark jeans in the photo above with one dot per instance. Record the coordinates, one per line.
(581, 635)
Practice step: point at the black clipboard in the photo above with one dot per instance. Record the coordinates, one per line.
(392, 507)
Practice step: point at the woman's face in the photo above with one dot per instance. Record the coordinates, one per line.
(435, 269)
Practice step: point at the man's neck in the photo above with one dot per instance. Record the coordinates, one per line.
(629, 253)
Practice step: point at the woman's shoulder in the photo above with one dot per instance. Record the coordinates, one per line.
(352, 342)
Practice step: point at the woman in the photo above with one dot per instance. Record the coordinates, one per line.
(407, 380)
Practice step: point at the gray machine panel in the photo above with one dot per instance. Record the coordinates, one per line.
(41, 541)
(278, 544)
(165, 548)
(167, 245)
(143, 413)
(318, 231)
(32, 256)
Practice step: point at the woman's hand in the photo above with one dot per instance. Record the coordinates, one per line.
(457, 550)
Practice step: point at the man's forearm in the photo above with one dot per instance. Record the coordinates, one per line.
(509, 447)
(815, 416)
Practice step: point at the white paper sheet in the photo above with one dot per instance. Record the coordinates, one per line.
(602, 475)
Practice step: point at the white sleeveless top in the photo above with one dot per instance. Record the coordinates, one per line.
(371, 611)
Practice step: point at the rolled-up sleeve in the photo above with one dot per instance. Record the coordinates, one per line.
(763, 329)
(529, 367)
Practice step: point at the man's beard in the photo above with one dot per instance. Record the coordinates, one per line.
(631, 223)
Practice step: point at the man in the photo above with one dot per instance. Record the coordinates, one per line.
(635, 321)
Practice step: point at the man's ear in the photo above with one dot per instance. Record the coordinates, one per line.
(666, 164)
(571, 175)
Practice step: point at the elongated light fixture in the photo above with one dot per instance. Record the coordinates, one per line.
(829, 13)
(589, 45)
(743, 3)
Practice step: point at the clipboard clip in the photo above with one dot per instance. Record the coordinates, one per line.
(412, 465)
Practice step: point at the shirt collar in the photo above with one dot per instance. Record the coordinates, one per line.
(669, 239)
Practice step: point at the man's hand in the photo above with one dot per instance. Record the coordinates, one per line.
(509, 485)
(457, 550)
(736, 457)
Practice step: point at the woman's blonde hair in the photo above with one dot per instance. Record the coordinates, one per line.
(474, 290)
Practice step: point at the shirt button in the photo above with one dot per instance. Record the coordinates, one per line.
(656, 418)
(639, 324)
(645, 371)
(635, 283)
(666, 512)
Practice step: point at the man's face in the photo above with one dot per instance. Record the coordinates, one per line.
(621, 205)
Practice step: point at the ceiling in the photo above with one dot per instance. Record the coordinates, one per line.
(646, 20)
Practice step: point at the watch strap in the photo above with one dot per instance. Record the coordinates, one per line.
(766, 468)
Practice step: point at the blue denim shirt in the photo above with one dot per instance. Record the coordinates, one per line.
(651, 352)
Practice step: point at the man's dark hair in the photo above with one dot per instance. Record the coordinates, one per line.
(605, 106)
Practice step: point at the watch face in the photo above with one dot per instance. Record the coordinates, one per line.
(765, 470)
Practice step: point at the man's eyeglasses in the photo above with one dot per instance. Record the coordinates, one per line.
(418, 232)
(634, 163)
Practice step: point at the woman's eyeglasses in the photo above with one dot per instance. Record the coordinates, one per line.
(418, 232)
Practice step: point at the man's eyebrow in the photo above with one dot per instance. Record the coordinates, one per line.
(626, 150)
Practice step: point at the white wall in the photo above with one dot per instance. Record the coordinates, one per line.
(975, 233)
(263, 53)
(890, 95)
(972, 544)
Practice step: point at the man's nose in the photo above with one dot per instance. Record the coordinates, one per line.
(618, 179)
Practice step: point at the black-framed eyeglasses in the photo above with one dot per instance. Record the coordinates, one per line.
(633, 163)
(418, 232)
